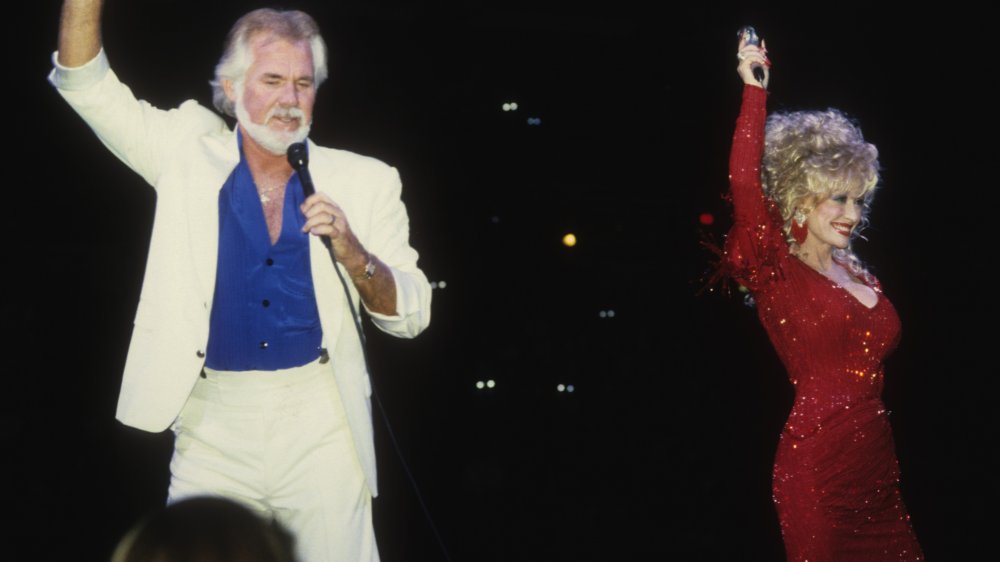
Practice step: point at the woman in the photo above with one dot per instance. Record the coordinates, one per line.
(800, 193)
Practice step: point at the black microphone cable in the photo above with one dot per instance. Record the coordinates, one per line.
(298, 157)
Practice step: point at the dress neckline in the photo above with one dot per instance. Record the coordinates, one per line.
(878, 297)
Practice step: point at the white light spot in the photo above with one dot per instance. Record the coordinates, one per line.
(480, 385)
(513, 106)
(570, 388)
(491, 383)
(561, 387)
(602, 314)
(442, 284)
(434, 285)
(534, 120)
(611, 313)
(506, 107)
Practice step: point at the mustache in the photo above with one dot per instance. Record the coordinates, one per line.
(285, 113)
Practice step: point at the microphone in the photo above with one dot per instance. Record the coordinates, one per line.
(298, 158)
(749, 35)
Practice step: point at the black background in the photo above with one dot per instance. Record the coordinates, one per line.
(664, 450)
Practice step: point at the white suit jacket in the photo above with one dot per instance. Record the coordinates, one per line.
(187, 154)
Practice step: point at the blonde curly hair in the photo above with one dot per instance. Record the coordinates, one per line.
(810, 156)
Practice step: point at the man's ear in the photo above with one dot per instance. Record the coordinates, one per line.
(229, 88)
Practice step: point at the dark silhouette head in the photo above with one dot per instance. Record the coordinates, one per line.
(205, 529)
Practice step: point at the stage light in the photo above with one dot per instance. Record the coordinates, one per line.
(603, 314)
(509, 106)
(569, 240)
(561, 387)
(480, 385)
(611, 313)
(491, 383)
(442, 284)
(534, 120)
(570, 388)
(706, 219)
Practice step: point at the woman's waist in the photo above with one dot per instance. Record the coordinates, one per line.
(833, 414)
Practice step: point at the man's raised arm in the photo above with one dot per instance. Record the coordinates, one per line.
(79, 32)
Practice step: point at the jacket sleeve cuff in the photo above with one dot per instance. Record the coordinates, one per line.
(412, 306)
(80, 77)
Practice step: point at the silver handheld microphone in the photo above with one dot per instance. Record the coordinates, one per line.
(749, 35)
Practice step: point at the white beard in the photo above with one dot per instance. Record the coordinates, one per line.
(275, 142)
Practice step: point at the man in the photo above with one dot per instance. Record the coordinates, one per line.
(244, 343)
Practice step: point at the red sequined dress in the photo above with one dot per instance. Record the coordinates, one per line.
(835, 473)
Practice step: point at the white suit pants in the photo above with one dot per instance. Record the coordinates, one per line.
(278, 442)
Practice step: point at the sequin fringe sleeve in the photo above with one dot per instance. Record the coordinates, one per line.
(755, 246)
